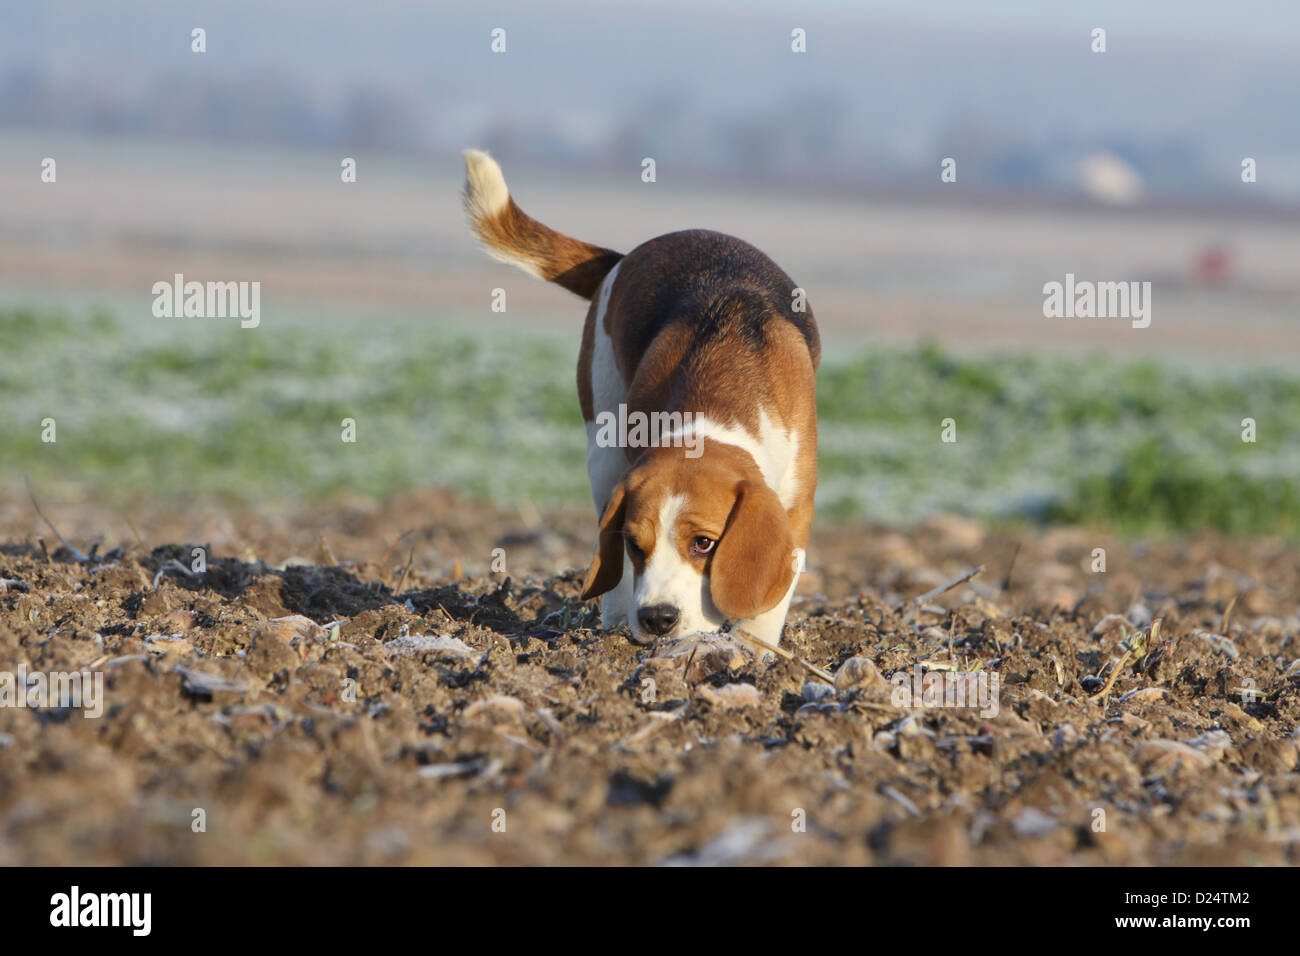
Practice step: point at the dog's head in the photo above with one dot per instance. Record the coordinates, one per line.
(708, 541)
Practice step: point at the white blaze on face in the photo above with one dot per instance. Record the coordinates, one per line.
(668, 578)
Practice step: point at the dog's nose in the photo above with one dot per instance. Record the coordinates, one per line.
(658, 618)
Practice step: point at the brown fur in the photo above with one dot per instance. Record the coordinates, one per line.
(577, 266)
(701, 323)
(607, 565)
(754, 563)
(726, 499)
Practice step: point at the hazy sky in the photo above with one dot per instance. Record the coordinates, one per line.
(1207, 79)
(387, 34)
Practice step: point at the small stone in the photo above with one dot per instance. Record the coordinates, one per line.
(441, 645)
(1139, 615)
(731, 696)
(294, 627)
(1161, 756)
(814, 691)
(857, 673)
(1110, 623)
(1033, 822)
(180, 620)
(502, 704)
(884, 740)
(1144, 695)
(1065, 734)
(1213, 743)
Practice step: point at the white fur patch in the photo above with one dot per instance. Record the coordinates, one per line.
(486, 194)
(605, 465)
(773, 450)
(668, 578)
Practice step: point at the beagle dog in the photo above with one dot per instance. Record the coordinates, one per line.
(696, 380)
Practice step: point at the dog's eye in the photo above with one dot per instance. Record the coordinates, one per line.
(702, 545)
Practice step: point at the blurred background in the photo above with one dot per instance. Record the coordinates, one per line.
(377, 306)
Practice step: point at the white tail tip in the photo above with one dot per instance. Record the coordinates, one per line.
(486, 192)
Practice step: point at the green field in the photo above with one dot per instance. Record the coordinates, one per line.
(203, 407)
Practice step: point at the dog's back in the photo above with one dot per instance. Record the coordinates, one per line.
(710, 286)
(717, 286)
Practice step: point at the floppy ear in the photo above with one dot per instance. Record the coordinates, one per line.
(607, 565)
(751, 568)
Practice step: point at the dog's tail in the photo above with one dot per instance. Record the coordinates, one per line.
(511, 235)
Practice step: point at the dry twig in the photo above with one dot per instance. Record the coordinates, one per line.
(35, 504)
(942, 589)
(782, 652)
